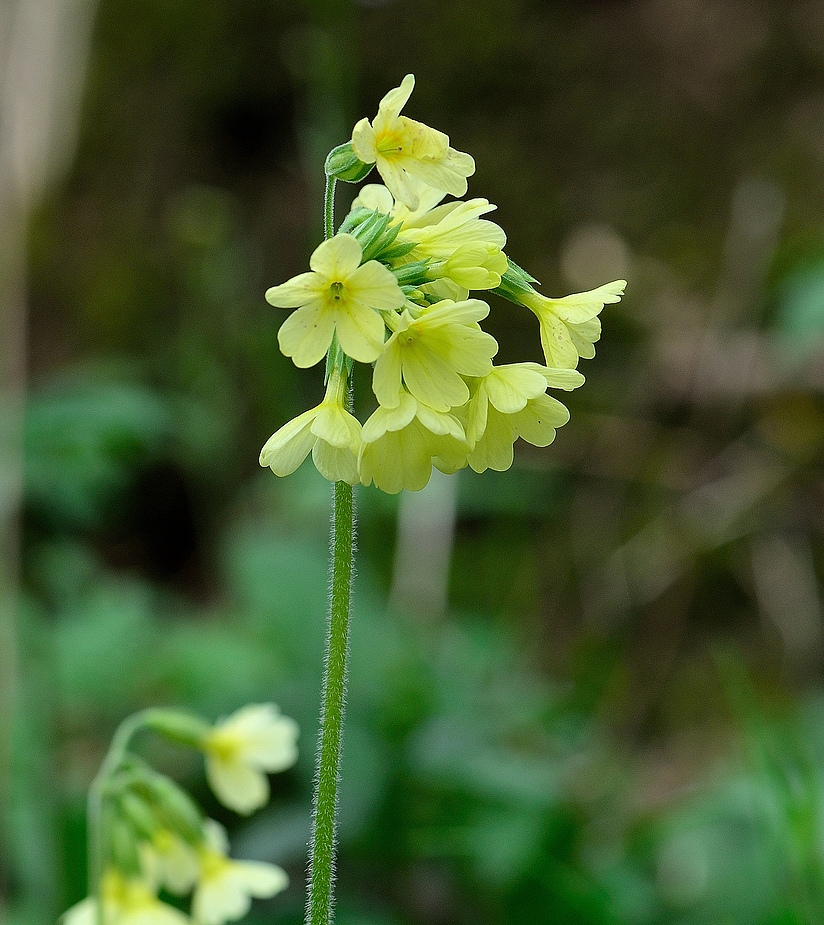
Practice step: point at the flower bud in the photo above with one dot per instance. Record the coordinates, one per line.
(137, 811)
(173, 807)
(343, 164)
(123, 846)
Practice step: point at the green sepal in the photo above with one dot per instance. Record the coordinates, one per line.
(355, 218)
(412, 274)
(398, 251)
(172, 806)
(123, 845)
(139, 813)
(182, 728)
(515, 283)
(343, 164)
(375, 235)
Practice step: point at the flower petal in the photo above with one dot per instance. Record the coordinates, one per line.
(337, 258)
(296, 292)
(236, 785)
(360, 331)
(286, 449)
(306, 334)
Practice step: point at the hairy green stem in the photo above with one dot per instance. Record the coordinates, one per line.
(329, 209)
(320, 899)
(320, 890)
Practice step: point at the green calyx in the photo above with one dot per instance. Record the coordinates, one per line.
(177, 726)
(343, 164)
(376, 236)
(515, 283)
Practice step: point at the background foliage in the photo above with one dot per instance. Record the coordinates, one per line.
(617, 717)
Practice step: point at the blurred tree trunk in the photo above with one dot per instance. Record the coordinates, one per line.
(43, 52)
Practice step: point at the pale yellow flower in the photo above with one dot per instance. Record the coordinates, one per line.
(401, 444)
(431, 352)
(409, 155)
(243, 748)
(340, 294)
(169, 861)
(125, 902)
(225, 887)
(328, 431)
(570, 326)
(510, 403)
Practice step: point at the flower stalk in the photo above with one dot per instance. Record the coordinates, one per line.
(391, 288)
(322, 845)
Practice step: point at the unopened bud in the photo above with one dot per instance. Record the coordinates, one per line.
(343, 164)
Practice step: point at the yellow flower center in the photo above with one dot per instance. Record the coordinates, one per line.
(390, 144)
(224, 747)
(336, 289)
(212, 864)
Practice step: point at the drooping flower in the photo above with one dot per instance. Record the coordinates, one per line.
(225, 887)
(409, 155)
(243, 748)
(328, 430)
(339, 295)
(125, 901)
(169, 861)
(510, 403)
(431, 352)
(401, 444)
(570, 325)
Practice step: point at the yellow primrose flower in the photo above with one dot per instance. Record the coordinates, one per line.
(243, 748)
(570, 326)
(340, 294)
(125, 902)
(409, 155)
(440, 231)
(225, 887)
(329, 431)
(511, 402)
(475, 266)
(431, 352)
(401, 444)
(437, 230)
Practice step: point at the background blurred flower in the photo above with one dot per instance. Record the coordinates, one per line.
(243, 748)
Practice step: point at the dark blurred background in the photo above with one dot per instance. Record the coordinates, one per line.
(587, 690)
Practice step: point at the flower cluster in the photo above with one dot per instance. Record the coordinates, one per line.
(392, 288)
(152, 837)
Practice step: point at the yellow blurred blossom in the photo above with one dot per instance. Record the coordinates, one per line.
(169, 861)
(243, 748)
(225, 887)
(125, 901)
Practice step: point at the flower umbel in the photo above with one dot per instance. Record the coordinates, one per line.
(243, 748)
